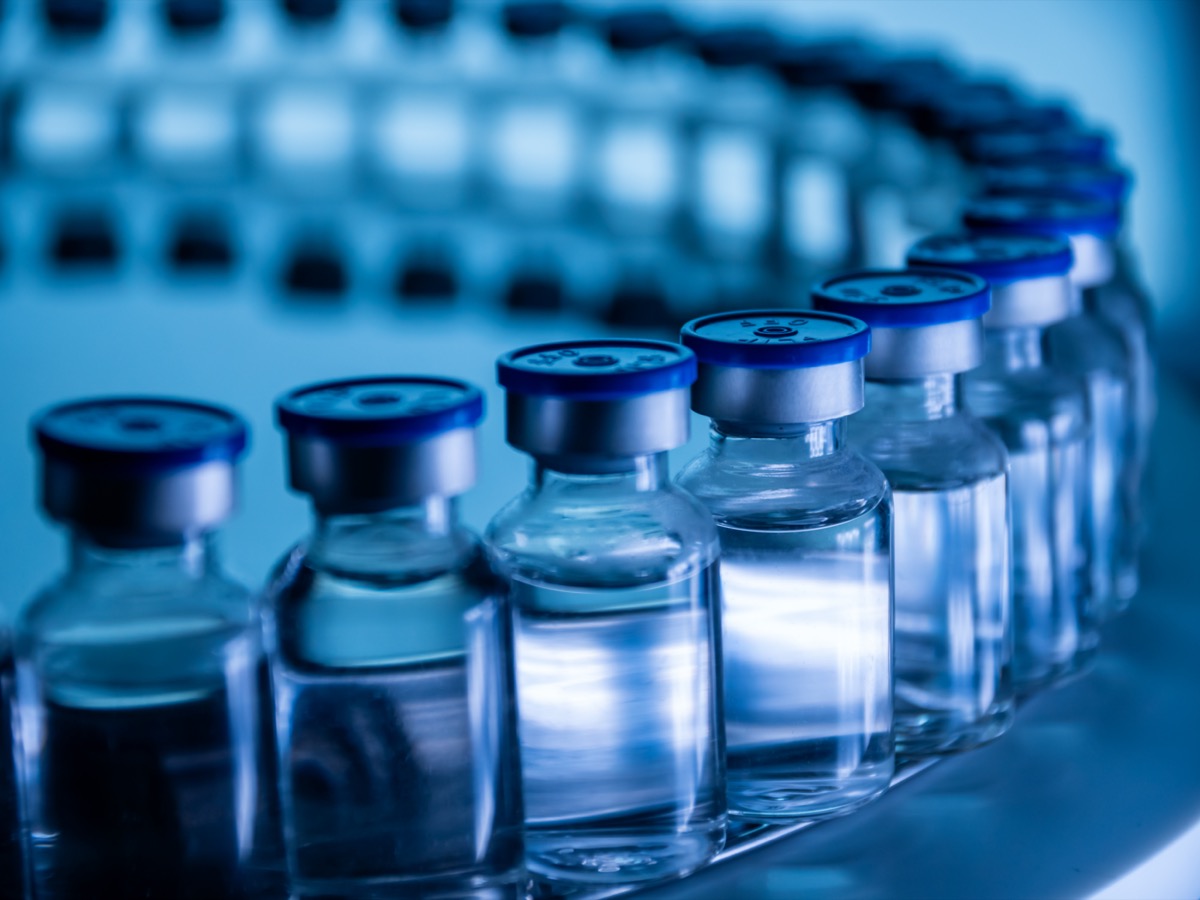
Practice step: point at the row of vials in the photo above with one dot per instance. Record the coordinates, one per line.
(627, 666)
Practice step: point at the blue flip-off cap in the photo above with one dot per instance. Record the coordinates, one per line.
(999, 258)
(381, 410)
(1105, 181)
(905, 298)
(776, 339)
(636, 29)
(140, 434)
(602, 369)
(1056, 214)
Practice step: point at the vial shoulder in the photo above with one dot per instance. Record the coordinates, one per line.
(635, 537)
(1040, 393)
(310, 570)
(318, 617)
(1086, 343)
(113, 605)
(953, 451)
(836, 487)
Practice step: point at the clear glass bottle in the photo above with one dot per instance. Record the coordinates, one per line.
(613, 576)
(389, 653)
(805, 525)
(11, 867)
(949, 478)
(897, 166)
(136, 671)
(635, 154)
(1112, 294)
(824, 142)
(1086, 345)
(1040, 413)
(732, 214)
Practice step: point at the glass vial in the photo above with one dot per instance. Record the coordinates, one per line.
(1086, 345)
(136, 670)
(1118, 300)
(11, 866)
(805, 525)
(949, 478)
(1040, 413)
(389, 652)
(613, 577)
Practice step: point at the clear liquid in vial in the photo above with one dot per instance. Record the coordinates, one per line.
(953, 652)
(10, 831)
(396, 765)
(1054, 625)
(807, 665)
(620, 743)
(143, 794)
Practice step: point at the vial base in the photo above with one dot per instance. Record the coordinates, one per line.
(598, 854)
(935, 734)
(462, 886)
(781, 789)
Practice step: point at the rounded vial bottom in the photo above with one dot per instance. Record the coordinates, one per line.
(931, 734)
(509, 886)
(619, 855)
(783, 797)
(1126, 588)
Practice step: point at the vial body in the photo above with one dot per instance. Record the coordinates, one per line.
(805, 532)
(1040, 415)
(138, 717)
(953, 602)
(1086, 346)
(397, 760)
(1121, 304)
(11, 877)
(615, 605)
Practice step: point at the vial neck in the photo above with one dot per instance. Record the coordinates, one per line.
(650, 472)
(188, 557)
(1013, 349)
(787, 444)
(913, 399)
